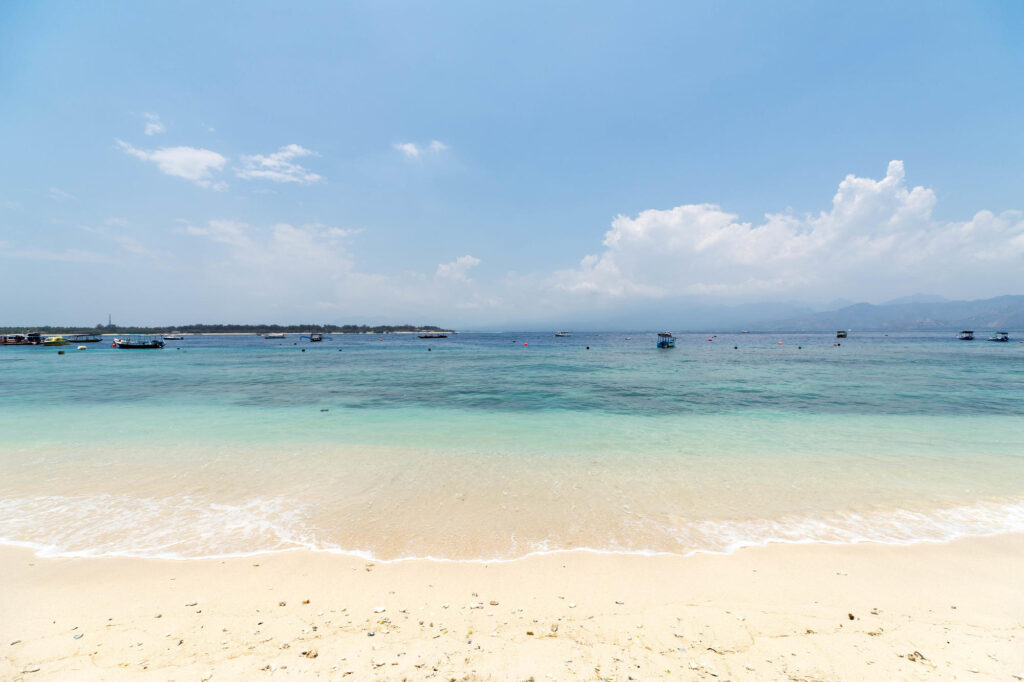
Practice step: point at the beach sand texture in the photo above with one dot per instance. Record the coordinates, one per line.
(950, 611)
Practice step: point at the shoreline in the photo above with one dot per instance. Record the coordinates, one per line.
(798, 611)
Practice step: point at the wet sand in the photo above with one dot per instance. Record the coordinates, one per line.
(800, 612)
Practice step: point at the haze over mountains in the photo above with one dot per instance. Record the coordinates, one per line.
(916, 312)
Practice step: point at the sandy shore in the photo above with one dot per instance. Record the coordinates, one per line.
(866, 612)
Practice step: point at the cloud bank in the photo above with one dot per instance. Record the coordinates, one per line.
(878, 239)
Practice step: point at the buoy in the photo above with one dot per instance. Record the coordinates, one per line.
(60, 352)
(526, 344)
(588, 347)
(303, 350)
(735, 347)
(780, 343)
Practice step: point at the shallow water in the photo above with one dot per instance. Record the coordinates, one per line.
(485, 448)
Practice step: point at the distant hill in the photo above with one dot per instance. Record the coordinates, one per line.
(1002, 312)
(229, 329)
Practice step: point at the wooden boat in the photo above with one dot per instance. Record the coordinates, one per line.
(83, 338)
(1002, 337)
(966, 335)
(666, 340)
(137, 342)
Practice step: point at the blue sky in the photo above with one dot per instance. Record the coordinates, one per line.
(465, 163)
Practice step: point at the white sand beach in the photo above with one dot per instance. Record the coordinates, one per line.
(785, 612)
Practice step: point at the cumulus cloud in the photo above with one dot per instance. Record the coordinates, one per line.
(457, 269)
(154, 126)
(190, 163)
(412, 150)
(279, 166)
(879, 237)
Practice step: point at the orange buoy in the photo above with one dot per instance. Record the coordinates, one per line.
(526, 344)
(780, 343)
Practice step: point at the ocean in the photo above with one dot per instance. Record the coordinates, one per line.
(490, 447)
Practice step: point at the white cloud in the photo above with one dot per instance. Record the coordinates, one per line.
(411, 150)
(278, 166)
(190, 163)
(879, 238)
(457, 269)
(58, 194)
(154, 126)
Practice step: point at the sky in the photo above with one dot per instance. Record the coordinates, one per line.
(489, 165)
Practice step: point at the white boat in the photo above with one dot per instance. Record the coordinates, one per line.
(274, 336)
(174, 336)
(966, 335)
(563, 333)
(1000, 336)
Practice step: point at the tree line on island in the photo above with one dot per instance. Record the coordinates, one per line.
(232, 329)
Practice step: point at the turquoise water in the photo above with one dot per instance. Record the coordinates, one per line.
(498, 445)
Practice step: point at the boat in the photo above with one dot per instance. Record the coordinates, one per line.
(1003, 337)
(277, 335)
(314, 338)
(840, 334)
(137, 342)
(174, 336)
(83, 338)
(12, 340)
(966, 335)
(563, 333)
(666, 340)
(54, 341)
(433, 336)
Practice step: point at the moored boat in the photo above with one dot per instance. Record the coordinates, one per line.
(274, 335)
(666, 340)
(174, 336)
(840, 334)
(83, 338)
(563, 333)
(54, 341)
(966, 335)
(138, 342)
(433, 336)
(1002, 337)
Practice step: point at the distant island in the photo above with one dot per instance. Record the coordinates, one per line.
(233, 329)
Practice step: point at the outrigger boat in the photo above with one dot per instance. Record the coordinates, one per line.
(433, 336)
(563, 333)
(174, 336)
(1003, 337)
(277, 335)
(966, 335)
(840, 334)
(137, 342)
(666, 340)
(83, 338)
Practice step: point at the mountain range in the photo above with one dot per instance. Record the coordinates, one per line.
(918, 312)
